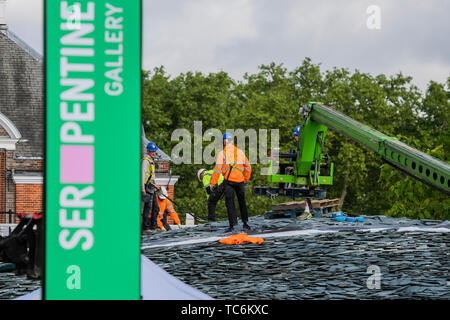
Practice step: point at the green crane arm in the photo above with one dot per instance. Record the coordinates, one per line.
(413, 162)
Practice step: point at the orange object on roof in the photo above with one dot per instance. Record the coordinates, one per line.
(240, 238)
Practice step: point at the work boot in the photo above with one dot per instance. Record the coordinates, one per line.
(305, 216)
(246, 227)
(230, 229)
(33, 274)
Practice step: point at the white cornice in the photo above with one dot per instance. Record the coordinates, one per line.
(164, 181)
(8, 143)
(26, 179)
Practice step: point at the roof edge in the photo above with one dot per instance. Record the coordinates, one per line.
(16, 39)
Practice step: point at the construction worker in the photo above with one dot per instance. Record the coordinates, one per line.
(234, 166)
(296, 132)
(205, 176)
(293, 152)
(148, 188)
(166, 208)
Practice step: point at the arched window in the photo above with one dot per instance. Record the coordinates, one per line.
(9, 143)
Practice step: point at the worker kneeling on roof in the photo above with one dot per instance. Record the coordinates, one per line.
(234, 166)
(205, 177)
(165, 209)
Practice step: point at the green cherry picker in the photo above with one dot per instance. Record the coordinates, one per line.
(303, 173)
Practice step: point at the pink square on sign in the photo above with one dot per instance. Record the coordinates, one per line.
(77, 164)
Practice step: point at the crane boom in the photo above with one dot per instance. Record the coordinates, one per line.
(417, 164)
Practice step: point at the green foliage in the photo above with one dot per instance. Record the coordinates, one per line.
(270, 99)
(413, 199)
(409, 197)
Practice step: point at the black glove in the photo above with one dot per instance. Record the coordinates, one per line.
(146, 198)
(214, 189)
(208, 189)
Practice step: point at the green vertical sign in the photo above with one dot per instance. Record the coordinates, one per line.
(93, 105)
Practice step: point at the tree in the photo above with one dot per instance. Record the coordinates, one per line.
(411, 198)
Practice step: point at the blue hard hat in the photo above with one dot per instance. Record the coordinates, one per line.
(151, 146)
(296, 130)
(227, 136)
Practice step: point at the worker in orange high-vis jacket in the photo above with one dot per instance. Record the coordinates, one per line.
(165, 209)
(234, 166)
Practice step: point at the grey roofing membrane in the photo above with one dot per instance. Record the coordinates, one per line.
(313, 259)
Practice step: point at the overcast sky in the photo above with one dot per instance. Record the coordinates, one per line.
(237, 36)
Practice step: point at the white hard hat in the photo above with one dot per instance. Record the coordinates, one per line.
(199, 172)
(162, 193)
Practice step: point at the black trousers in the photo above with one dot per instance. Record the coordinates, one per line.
(150, 205)
(214, 197)
(164, 222)
(230, 189)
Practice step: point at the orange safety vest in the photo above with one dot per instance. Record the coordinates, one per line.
(166, 205)
(232, 164)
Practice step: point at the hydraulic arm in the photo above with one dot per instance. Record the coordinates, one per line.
(310, 167)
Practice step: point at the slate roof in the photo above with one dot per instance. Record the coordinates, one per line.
(325, 260)
(21, 92)
(315, 259)
(161, 155)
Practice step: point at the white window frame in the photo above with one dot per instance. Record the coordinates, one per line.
(9, 143)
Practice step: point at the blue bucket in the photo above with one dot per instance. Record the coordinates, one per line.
(337, 214)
